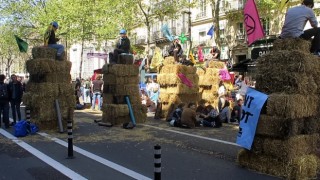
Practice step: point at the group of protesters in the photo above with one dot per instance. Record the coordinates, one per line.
(89, 91)
(11, 92)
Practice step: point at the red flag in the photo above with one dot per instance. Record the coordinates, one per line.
(252, 22)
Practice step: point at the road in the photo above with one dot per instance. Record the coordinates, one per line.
(117, 153)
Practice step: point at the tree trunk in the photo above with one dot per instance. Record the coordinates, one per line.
(81, 59)
(215, 19)
(189, 32)
(148, 40)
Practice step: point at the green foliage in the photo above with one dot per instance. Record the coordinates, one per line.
(235, 16)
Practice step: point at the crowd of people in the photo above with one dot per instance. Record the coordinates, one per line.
(89, 91)
(11, 92)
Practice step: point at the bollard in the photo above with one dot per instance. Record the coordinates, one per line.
(70, 136)
(157, 162)
(28, 112)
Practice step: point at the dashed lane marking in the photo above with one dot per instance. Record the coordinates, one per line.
(99, 159)
(53, 163)
(193, 135)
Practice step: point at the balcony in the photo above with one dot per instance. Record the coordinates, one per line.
(201, 15)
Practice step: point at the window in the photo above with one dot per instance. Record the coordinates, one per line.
(241, 4)
(202, 8)
(240, 31)
(266, 26)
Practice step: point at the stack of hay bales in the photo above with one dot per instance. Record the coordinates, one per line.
(121, 80)
(209, 82)
(49, 80)
(172, 90)
(287, 136)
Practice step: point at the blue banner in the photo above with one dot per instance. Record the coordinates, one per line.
(251, 108)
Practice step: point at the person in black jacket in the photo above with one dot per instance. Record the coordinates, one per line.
(4, 101)
(15, 97)
(123, 46)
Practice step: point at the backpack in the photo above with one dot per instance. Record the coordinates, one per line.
(3, 91)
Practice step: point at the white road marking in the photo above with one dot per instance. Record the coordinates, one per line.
(99, 159)
(187, 134)
(53, 163)
(193, 135)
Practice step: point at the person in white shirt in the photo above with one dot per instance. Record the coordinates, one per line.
(295, 21)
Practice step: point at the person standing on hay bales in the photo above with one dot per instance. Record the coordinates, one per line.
(175, 49)
(15, 97)
(123, 46)
(295, 21)
(96, 92)
(50, 40)
(4, 102)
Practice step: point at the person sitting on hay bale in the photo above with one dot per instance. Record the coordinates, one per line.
(295, 22)
(123, 46)
(175, 49)
(212, 119)
(50, 40)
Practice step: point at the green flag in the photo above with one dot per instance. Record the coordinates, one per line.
(23, 46)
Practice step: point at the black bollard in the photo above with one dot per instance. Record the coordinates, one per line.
(70, 136)
(28, 112)
(157, 162)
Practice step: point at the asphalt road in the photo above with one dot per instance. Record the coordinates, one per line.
(117, 153)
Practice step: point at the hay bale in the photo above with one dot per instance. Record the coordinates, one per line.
(177, 68)
(292, 106)
(200, 71)
(43, 52)
(286, 149)
(63, 66)
(304, 167)
(298, 44)
(121, 89)
(43, 89)
(182, 89)
(311, 125)
(54, 77)
(113, 79)
(216, 64)
(278, 127)
(287, 71)
(169, 60)
(115, 110)
(115, 121)
(122, 69)
(107, 98)
(40, 66)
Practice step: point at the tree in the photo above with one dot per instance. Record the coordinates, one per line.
(215, 4)
(9, 50)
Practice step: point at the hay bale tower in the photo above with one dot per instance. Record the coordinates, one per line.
(209, 82)
(49, 80)
(121, 80)
(287, 136)
(172, 90)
